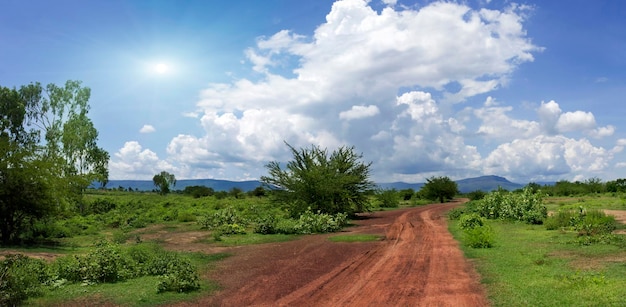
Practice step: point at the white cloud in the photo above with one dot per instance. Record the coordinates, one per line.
(357, 112)
(386, 82)
(547, 156)
(134, 162)
(147, 129)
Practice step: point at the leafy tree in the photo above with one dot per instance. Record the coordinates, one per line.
(617, 185)
(38, 176)
(163, 181)
(328, 183)
(439, 188)
(70, 138)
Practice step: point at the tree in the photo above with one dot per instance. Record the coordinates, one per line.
(69, 135)
(38, 176)
(439, 188)
(333, 183)
(163, 181)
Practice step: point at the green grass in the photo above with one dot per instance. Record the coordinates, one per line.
(531, 266)
(599, 201)
(140, 291)
(355, 238)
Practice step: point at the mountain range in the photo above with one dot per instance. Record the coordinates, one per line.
(483, 183)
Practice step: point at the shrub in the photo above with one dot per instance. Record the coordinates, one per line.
(456, 213)
(228, 215)
(476, 195)
(526, 206)
(310, 222)
(266, 224)
(388, 198)
(471, 220)
(585, 222)
(21, 277)
(479, 237)
(180, 276)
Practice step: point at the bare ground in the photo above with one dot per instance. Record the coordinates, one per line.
(418, 263)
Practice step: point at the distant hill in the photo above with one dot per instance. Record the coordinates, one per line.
(483, 183)
(215, 184)
(486, 184)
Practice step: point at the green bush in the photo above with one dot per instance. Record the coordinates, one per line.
(526, 206)
(471, 220)
(20, 278)
(226, 216)
(585, 222)
(456, 213)
(180, 276)
(310, 222)
(266, 224)
(389, 198)
(480, 236)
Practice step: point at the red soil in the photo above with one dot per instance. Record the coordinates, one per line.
(418, 263)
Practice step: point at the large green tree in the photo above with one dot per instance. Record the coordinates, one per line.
(39, 175)
(439, 188)
(315, 179)
(163, 181)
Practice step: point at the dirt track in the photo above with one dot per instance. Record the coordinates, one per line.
(417, 264)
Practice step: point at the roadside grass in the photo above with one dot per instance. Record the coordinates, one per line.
(140, 291)
(531, 266)
(354, 238)
(599, 201)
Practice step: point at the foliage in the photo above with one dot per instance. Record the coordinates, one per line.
(310, 222)
(388, 198)
(198, 191)
(471, 220)
(480, 236)
(20, 277)
(456, 213)
(525, 206)
(330, 184)
(163, 181)
(535, 267)
(585, 222)
(439, 188)
(40, 176)
(476, 195)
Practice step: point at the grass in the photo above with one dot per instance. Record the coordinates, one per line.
(599, 201)
(531, 266)
(354, 238)
(140, 291)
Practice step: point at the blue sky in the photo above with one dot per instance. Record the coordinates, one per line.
(532, 91)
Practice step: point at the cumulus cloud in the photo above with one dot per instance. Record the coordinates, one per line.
(555, 121)
(388, 82)
(357, 112)
(147, 129)
(134, 162)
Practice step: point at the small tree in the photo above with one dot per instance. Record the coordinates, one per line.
(327, 183)
(439, 188)
(163, 181)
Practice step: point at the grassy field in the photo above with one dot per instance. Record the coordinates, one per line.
(532, 266)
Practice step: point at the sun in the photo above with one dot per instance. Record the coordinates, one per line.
(161, 68)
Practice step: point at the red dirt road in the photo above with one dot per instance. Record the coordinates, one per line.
(417, 264)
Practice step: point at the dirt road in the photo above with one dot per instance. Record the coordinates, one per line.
(418, 263)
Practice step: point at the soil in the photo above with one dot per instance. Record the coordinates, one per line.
(417, 263)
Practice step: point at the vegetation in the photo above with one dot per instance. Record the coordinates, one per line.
(163, 181)
(326, 183)
(572, 254)
(440, 189)
(48, 154)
